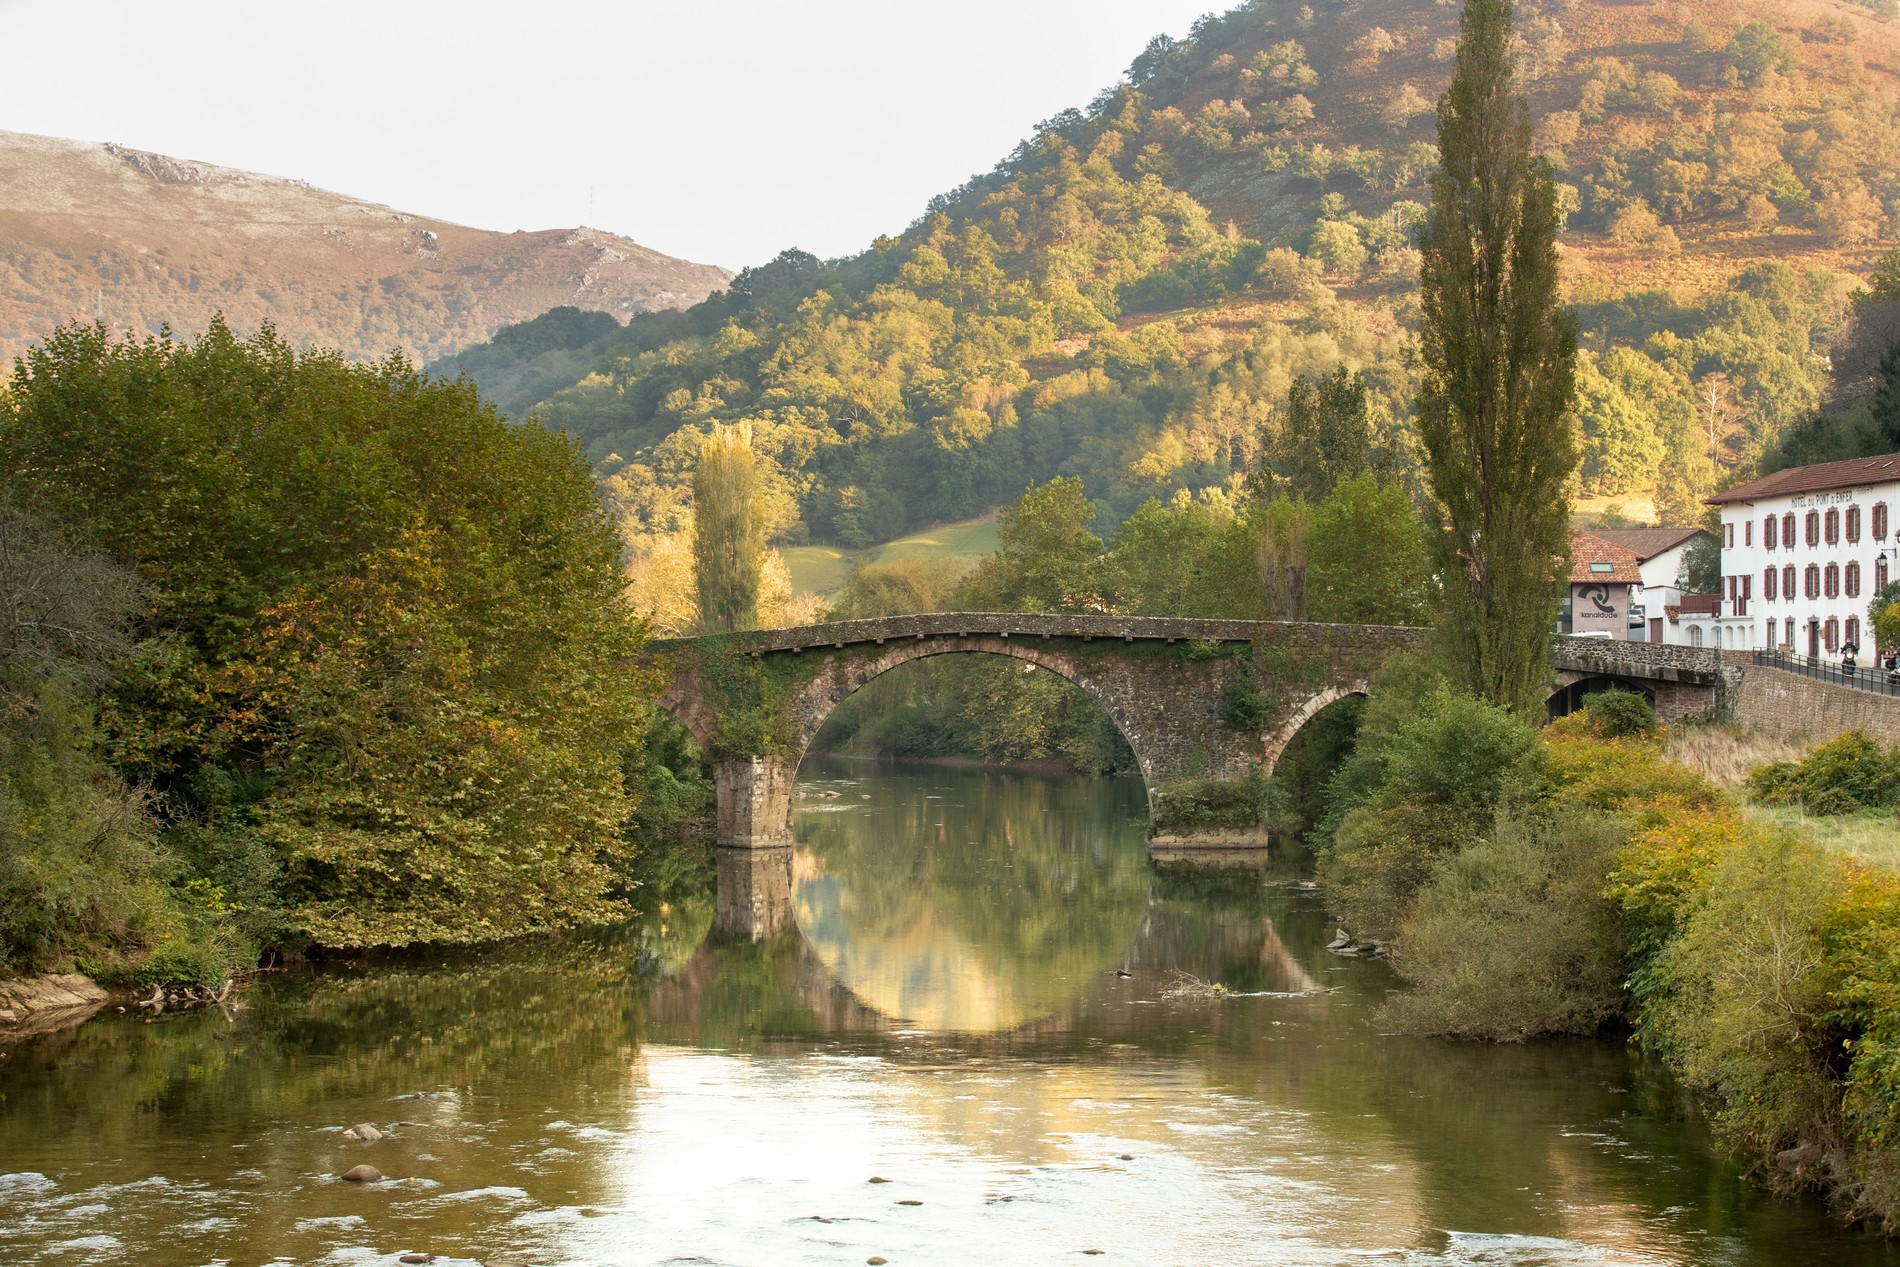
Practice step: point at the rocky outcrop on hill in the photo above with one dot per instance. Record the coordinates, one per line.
(141, 241)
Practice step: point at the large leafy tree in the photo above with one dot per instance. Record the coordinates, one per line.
(1499, 351)
(1051, 559)
(1328, 433)
(1368, 561)
(388, 671)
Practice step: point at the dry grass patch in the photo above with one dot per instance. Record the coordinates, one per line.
(1727, 754)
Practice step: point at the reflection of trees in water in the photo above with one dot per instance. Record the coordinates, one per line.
(1416, 1133)
(737, 994)
(504, 1040)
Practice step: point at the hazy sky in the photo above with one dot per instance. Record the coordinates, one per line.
(718, 130)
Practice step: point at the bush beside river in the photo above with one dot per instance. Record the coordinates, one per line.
(1553, 883)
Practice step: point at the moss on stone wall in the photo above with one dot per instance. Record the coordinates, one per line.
(752, 697)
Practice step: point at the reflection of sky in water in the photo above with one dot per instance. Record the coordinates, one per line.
(974, 912)
(576, 1107)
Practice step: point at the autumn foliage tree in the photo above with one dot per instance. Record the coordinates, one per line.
(383, 696)
(1499, 351)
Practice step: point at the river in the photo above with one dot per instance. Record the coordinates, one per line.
(993, 1003)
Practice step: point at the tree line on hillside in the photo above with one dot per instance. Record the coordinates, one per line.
(1079, 312)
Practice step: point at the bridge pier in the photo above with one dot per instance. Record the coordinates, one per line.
(755, 802)
(754, 897)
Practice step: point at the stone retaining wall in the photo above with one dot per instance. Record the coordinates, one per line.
(1801, 709)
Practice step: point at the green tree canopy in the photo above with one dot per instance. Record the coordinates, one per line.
(1621, 449)
(389, 664)
(1327, 435)
(1050, 560)
(1368, 561)
(728, 530)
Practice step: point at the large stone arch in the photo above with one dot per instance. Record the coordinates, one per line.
(755, 794)
(839, 682)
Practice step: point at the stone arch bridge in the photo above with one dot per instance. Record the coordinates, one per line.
(1208, 706)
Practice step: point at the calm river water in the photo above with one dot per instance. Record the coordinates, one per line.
(951, 1017)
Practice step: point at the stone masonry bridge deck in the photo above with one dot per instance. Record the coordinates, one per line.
(1205, 704)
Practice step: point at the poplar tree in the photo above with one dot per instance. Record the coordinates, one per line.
(728, 531)
(1499, 351)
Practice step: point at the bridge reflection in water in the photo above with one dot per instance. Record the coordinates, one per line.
(974, 902)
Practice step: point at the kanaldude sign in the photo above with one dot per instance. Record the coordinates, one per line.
(1600, 608)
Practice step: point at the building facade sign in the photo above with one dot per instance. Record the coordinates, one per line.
(1597, 608)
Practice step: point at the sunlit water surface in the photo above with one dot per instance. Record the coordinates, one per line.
(950, 1017)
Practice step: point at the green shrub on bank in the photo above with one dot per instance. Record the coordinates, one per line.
(1848, 773)
(1619, 714)
(1767, 970)
(1513, 937)
(1442, 777)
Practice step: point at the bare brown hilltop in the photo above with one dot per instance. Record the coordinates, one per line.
(141, 241)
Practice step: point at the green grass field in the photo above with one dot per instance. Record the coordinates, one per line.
(823, 569)
(1871, 834)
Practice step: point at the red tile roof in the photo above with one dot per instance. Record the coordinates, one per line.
(1594, 559)
(1815, 479)
(1646, 543)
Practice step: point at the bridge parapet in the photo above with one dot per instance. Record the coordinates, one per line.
(1652, 661)
(847, 633)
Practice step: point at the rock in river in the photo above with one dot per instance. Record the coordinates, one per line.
(364, 1133)
(363, 1174)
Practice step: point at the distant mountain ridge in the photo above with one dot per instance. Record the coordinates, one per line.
(141, 240)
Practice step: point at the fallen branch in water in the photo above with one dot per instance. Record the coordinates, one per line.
(1185, 985)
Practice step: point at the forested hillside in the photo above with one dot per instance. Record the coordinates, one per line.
(140, 241)
(1128, 295)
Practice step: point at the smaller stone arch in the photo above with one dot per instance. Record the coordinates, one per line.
(1275, 745)
(1570, 687)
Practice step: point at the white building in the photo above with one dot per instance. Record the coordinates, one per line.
(1803, 552)
(1657, 603)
